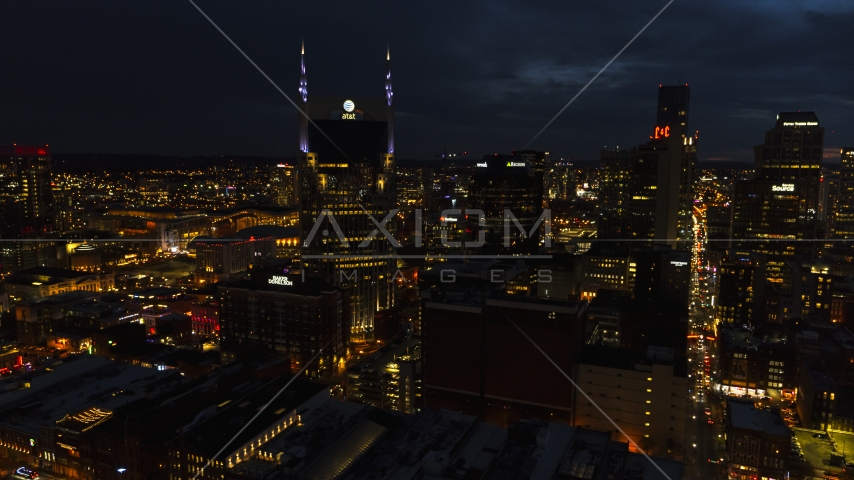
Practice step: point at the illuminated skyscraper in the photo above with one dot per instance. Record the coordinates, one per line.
(346, 176)
(615, 173)
(509, 182)
(284, 184)
(844, 214)
(828, 201)
(776, 211)
(26, 212)
(647, 192)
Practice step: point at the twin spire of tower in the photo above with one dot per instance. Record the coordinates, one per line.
(303, 81)
(388, 93)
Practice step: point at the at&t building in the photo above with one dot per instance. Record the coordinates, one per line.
(346, 177)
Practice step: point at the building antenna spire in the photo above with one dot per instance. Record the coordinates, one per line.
(303, 83)
(388, 92)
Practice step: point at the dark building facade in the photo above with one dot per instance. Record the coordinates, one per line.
(741, 291)
(758, 443)
(750, 365)
(476, 361)
(288, 318)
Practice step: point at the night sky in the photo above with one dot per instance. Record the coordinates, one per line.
(155, 77)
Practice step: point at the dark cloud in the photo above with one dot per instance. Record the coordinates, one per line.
(482, 76)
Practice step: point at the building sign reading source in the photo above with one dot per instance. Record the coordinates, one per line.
(280, 280)
(786, 187)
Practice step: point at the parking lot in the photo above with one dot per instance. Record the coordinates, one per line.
(816, 452)
(844, 444)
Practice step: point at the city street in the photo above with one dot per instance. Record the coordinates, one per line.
(704, 432)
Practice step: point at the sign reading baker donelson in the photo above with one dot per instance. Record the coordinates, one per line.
(280, 280)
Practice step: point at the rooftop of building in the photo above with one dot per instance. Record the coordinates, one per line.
(746, 416)
(542, 450)
(75, 385)
(625, 359)
(478, 298)
(820, 380)
(159, 293)
(47, 275)
(61, 298)
(209, 435)
(251, 233)
(309, 287)
(411, 443)
(807, 118)
(261, 208)
(402, 350)
(608, 249)
(97, 308)
(275, 231)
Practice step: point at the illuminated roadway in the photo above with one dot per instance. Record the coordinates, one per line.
(703, 444)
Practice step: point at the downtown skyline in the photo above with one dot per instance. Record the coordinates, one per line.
(158, 79)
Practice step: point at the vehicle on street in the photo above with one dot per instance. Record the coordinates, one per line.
(24, 472)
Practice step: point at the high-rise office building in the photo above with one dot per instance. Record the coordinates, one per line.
(828, 201)
(26, 212)
(647, 192)
(347, 176)
(284, 186)
(560, 181)
(673, 102)
(777, 210)
(615, 173)
(741, 294)
(792, 149)
(844, 215)
(508, 182)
